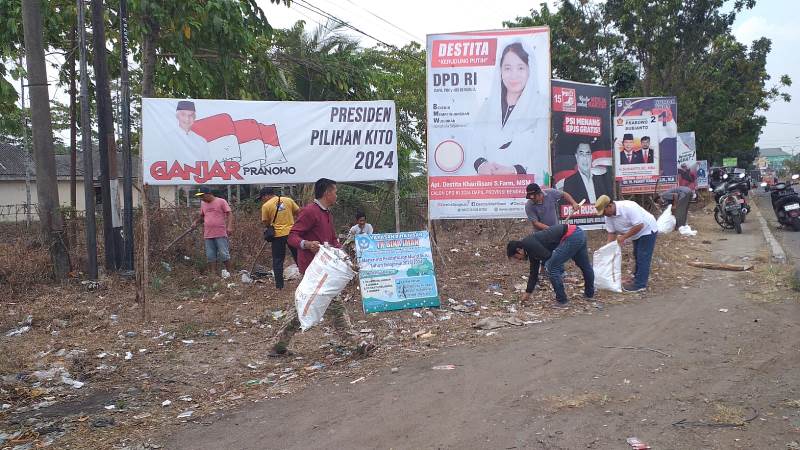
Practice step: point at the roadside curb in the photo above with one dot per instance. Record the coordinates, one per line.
(775, 249)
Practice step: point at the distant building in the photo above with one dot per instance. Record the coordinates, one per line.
(12, 182)
(774, 157)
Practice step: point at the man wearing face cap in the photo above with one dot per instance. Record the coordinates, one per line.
(186, 145)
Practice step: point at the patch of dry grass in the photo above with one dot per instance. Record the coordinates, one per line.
(728, 414)
(559, 402)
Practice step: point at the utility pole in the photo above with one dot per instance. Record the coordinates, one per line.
(112, 227)
(73, 125)
(25, 149)
(86, 145)
(127, 163)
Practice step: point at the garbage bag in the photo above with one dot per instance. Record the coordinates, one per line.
(607, 264)
(666, 221)
(325, 278)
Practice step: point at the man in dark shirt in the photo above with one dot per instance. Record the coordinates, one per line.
(554, 246)
(679, 197)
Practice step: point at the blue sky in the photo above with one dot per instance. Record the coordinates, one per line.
(774, 19)
(416, 18)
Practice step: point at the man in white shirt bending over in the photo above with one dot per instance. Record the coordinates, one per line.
(361, 226)
(627, 221)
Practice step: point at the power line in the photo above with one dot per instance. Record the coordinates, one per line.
(384, 20)
(307, 5)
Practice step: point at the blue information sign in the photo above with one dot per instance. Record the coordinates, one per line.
(396, 271)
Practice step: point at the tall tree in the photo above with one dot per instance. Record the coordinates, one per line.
(46, 181)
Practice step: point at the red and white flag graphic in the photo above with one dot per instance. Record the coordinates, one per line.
(220, 133)
(251, 146)
(269, 134)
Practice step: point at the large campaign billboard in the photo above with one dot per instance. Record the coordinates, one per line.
(645, 144)
(488, 121)
(582, 156)
(250, 142)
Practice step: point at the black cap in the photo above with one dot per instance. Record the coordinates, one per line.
(266, 191)
(203, 190)
(627, 137)
(185, 105)
(532, 189)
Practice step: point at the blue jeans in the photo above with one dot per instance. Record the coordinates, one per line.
(218, 249)
(573, 247)
(643, 254)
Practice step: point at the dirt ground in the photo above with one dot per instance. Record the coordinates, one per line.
(200, 366)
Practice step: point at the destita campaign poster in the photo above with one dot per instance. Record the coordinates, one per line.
(645, 143)
(247, 142)
(396, 271)
(488, 121)
(582, 157)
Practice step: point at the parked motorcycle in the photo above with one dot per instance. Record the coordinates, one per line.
(786, 202)
(732, 183)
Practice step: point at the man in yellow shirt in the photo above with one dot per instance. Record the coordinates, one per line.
(279, 212)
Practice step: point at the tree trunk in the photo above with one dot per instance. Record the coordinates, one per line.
(105, 142)
(152, 29)
(46, 182)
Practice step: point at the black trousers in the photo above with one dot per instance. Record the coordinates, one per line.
(278, 256)
(681, 210)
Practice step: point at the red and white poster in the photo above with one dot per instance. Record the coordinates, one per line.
(244, 142)
(488, 121)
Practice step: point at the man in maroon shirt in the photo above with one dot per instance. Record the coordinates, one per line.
(314, 228)
(314, 225)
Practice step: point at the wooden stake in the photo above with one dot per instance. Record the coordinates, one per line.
(720, 266)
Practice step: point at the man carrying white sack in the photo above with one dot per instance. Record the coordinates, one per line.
(314, 228)
(627, 221)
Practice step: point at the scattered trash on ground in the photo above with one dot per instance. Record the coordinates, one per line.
(637, 444)
(444, 367)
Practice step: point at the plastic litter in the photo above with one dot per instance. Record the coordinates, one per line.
(291, 273)
(444, 367)
(607, 262)
(666, 221)
(225, 274)
(25, 326)
(325, 278)
(246, 277)
(185, 414)
(686, 230)
(637, 444)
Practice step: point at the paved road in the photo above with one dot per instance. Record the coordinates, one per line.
(789, 240)
(555, 386)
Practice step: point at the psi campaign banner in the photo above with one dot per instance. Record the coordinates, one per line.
(645, 144)
(488, 121)
(687, 160)
(396, 271)
(248, 142)
(582, 154)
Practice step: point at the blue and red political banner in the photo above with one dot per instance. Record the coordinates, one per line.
(645, 144)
